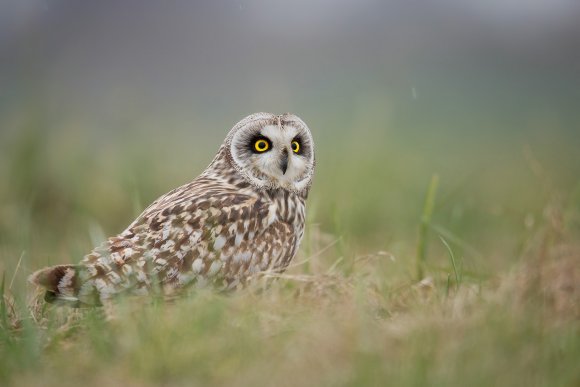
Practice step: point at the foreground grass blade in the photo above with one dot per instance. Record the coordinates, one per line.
(453, 264)
(3, 310)
(424, 227)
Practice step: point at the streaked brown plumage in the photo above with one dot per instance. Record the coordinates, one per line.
(244, 214)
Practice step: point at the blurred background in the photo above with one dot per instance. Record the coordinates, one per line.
(106, 105)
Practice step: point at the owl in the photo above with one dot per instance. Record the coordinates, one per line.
(243, 215)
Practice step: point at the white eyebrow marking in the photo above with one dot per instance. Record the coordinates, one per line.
(283, 135)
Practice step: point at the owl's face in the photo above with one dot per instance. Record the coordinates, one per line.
(273, 151)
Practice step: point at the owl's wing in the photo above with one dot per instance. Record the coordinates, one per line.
(218, 237)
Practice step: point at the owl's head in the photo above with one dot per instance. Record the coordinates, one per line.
(272, 151)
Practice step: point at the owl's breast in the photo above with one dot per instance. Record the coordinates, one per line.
(288, 208)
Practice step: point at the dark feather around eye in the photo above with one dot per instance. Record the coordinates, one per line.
(254, 139)
(301, 144)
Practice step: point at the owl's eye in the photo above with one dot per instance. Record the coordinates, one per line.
(295, 146)
(261, 145)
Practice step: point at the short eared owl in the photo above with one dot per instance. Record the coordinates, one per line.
(244, 214)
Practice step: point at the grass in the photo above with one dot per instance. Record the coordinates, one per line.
(468, 285)
(453, 263)
(425, 224)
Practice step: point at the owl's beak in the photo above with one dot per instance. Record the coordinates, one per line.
(284, 161)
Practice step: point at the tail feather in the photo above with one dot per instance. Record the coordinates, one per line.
(61, 283)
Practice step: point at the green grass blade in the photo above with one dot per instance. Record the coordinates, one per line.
(453, 263)
(3, 309)
(425, 222)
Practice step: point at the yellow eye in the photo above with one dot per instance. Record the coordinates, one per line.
(295, 146)
(261, 145)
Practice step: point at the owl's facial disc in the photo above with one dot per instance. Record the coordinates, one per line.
(274, 153)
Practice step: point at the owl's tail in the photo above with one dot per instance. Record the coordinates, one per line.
(62, 284)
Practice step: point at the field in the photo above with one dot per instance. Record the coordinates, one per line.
(430, 259)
